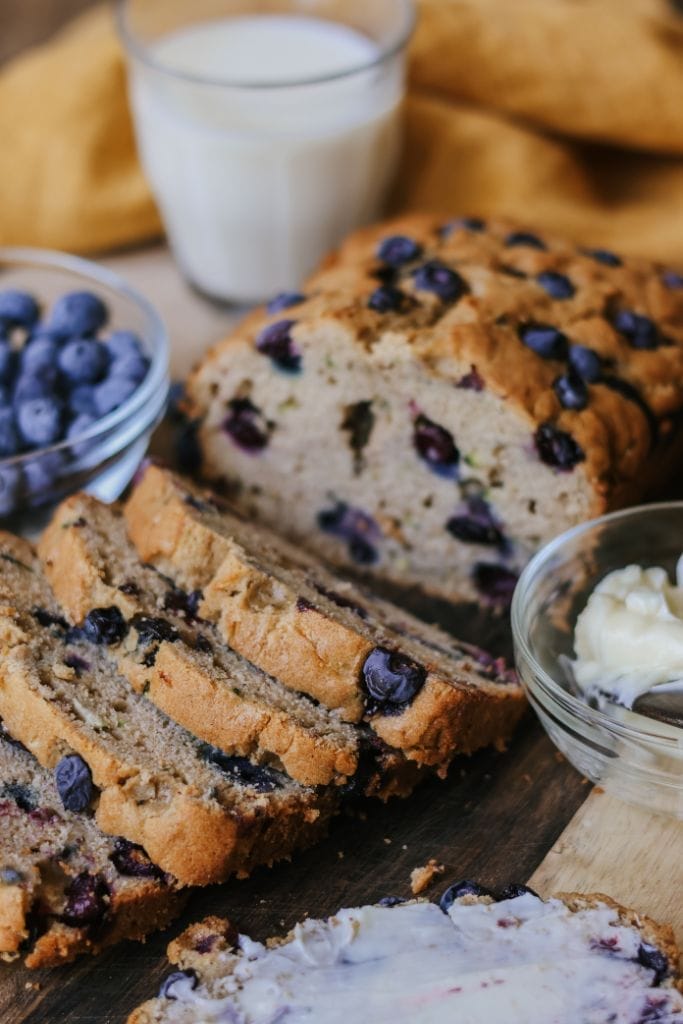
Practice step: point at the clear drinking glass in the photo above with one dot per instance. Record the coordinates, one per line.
(258, 174)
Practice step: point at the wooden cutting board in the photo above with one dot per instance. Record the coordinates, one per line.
(499, 818)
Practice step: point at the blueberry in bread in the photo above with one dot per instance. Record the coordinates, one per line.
(200, 814)
(461, 393)
(518, 959)
(152, 629)
(417, 688)
(65, 887)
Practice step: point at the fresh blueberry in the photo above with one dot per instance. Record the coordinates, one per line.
(123, 343)
(390, 901)
(276, 342)
(558, 286)
(81, 401)
(8, 361)
(133, 366)
(398, 249)
(112, 392)
(41, 383)
(39, 354)
(571, 391)
(78, 426)
(132, 861)
(179, 980)
(585, 362)
(494, 582)
(386, 299)
(83, 360)
(105, 626)
(73, 780)
(153, 630)
(672, 280)
(544, 339)
(245, 425)
(9, 436)
(10, 482)
(18, 309)
(435, 445)
(24, 797)
(557, 448)
(477, 525)
(609, 259)
(41, 473)
(391, 680)
(459, 889)
(87, 901)
(655, 960)
(284, 300)
(241, 770)
(10, 876)
(78, 314)
(515, 890)
(434, 276)
(40, 421)
(524, 238)
(639, 330)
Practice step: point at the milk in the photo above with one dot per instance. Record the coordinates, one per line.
(257, 180)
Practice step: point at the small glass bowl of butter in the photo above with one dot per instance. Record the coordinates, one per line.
(597, 622)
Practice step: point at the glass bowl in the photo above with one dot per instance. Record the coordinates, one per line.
(634, 757)
(103, 459)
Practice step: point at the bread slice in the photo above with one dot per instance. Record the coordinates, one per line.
(446, 397)
(570, 959)
(200, 814)
(180, 663)
(285, 612)
(65, 887)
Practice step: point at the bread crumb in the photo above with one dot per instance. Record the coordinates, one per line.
(598, 789)
(387, 841)
(34, 986)
(422, 878)
(340, 854)
(405, 846)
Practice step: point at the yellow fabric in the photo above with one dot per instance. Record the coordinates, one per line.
(565, 114)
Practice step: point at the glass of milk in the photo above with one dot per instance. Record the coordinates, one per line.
(267, 128)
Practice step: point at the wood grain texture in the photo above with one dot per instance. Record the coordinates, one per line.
(493, 819)
(632, 855)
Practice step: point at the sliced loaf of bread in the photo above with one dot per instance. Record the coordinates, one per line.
(181, 664)
(442, 398)
(419, 689)
(519, 960)
(200, 814)
(65, 887)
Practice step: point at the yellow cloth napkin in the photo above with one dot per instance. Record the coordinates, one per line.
(565, 114)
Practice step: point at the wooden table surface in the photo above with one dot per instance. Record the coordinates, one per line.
(525, 814)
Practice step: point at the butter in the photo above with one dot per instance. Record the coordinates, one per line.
(519, 961)
(629, 637)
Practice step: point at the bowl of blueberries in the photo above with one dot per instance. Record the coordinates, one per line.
(83, 379)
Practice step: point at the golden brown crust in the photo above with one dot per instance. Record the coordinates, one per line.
(198, 696)
(308, 651)
(640, 388)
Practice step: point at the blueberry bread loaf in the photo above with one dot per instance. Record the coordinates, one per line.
(416, 687)
(518, 959)
(200, 814)
(65, 888)
(443, 398)
(168, 652)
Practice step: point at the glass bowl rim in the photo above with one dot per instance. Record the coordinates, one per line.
(134, 47)
(157, 375)
(552, 688)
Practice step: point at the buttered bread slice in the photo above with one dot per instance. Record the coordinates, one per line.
(200, 814)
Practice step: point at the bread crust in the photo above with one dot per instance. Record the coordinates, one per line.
(307, 650)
